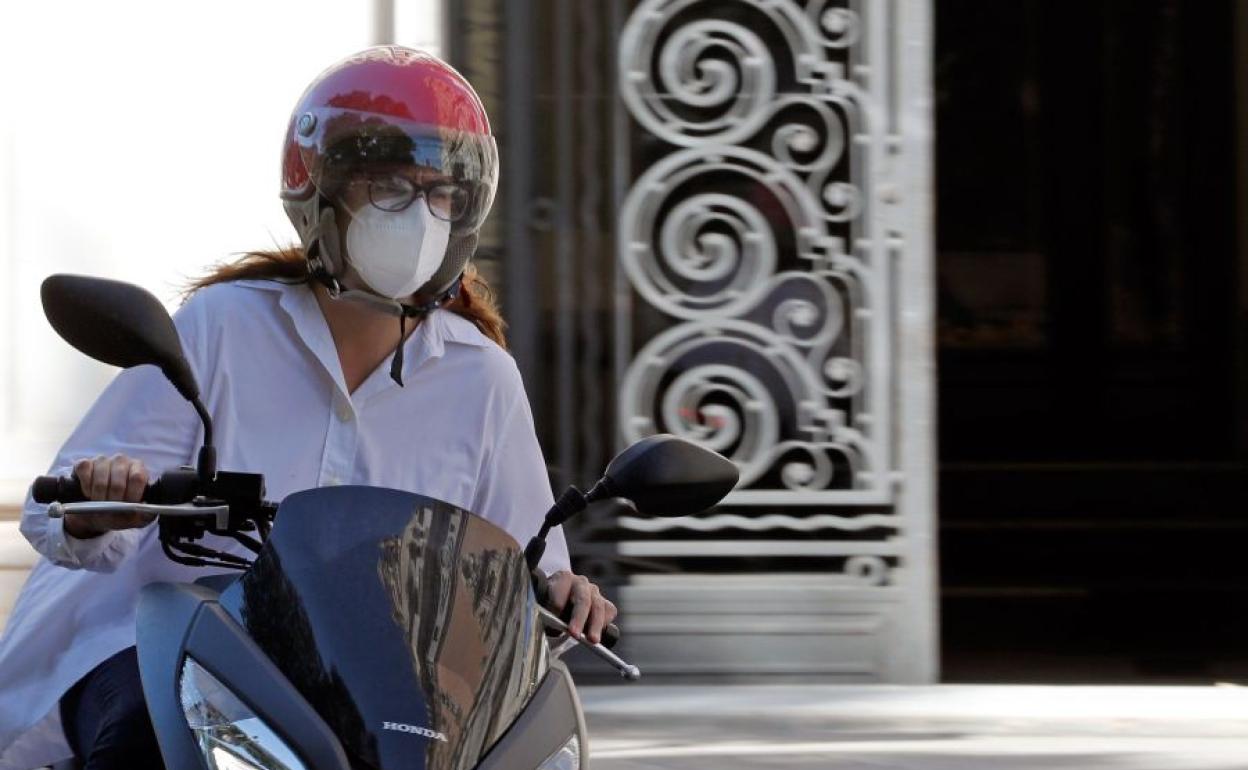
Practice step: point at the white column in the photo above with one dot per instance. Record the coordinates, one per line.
(418, 24)
(916, 343)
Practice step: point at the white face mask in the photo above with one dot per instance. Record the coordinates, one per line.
(396, 252)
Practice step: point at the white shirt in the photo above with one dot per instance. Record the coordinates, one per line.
(460, 430)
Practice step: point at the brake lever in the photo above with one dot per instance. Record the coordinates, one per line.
(220, 513)
(552, 621)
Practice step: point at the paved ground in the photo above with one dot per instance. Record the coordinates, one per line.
(946, 727)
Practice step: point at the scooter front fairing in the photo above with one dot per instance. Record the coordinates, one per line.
(406, 624)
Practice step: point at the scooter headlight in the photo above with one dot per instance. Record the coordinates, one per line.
(230, 736)
(568, 757)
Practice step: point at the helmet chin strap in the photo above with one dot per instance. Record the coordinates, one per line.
(401, 310)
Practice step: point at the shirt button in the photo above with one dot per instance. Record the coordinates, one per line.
(343, 409)
(333, 481)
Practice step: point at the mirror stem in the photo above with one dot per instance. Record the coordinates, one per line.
(570, 503)
(602, 490)
(536, 548)
(207, 465)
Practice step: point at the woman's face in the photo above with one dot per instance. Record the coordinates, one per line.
(383, 200)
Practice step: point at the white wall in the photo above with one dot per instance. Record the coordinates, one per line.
(140, 140)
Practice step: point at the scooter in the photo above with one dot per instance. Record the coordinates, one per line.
(374, 628)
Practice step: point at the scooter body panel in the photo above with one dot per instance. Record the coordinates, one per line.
(552, 717)
(176, 622)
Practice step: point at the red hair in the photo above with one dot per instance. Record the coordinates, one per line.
(476, 300)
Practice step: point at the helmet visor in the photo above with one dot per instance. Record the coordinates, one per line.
(355, 157)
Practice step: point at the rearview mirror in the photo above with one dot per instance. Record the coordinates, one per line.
(124, 325)
(665, 475)
(117, 323)
(662, 475)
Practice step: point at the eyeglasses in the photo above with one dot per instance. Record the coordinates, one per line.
(447, 201)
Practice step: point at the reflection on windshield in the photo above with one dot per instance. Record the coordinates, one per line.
(407, 623)
(460, 593)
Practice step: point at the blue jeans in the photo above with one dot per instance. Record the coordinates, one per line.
(106, 720)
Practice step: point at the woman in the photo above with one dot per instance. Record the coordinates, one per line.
(388, 171)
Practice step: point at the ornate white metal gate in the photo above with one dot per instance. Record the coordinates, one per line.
(762, 169)
(781, 230)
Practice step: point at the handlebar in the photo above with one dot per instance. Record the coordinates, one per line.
(172, 488)
(228, 504)
(541, 590)
(177, 488)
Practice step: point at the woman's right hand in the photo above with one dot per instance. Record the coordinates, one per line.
(118, 478)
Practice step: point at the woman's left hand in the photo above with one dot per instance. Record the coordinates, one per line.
(591, 611)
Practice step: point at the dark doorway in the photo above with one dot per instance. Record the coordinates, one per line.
(1094, 501)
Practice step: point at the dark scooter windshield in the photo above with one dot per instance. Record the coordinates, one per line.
(407, 623)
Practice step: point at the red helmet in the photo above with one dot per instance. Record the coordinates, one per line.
(383, 109)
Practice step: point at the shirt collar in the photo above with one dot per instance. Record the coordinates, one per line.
(427, 343)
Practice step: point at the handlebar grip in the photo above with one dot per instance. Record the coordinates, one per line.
(610, 635)
(57, 489)
(610, 632)
(171, 488)
(541, 589)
